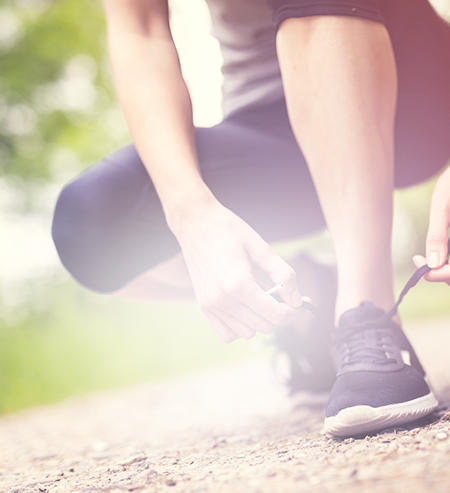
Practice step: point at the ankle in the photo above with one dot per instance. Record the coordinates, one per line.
(385, 301)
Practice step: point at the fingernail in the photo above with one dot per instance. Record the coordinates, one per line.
(296, 299)
(433, 259)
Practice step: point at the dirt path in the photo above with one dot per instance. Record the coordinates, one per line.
(225, 430)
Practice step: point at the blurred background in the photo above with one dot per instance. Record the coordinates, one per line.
(58, 115)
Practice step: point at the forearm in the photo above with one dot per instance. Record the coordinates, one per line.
(221, 251)
(158, 111)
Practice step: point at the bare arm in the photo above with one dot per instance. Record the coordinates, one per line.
(154, 98)
(220, 250)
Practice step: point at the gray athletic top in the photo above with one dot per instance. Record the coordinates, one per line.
(246, 35)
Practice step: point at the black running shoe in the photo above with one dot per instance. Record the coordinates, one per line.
(380, 381)
(303, 359)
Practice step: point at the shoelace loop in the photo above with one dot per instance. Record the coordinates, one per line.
(412, 281)
(364, 345)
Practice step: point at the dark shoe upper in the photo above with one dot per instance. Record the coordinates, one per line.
(376, 364)
(308, 352)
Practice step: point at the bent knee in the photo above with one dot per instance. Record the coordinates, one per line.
(90, 224)
(75, 231)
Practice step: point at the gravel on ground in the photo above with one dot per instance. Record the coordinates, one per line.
(224, 430)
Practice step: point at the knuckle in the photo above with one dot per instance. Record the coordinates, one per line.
(278, 318)
(266, 329)
(231, 285)
(216, 299)
(212, 301)
(249, 335)
(288, 275)
(262, 251)
(434, 237)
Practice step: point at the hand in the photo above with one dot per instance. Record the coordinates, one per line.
(221, 252)
(437, 237)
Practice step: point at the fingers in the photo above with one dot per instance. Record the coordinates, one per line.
(437, 236)
(436, 245)
(441, 274)
(248, 313)
(237, 326)
(279, 271)
(226, 335)
(244, 321)
(244, 308)
(271, 310)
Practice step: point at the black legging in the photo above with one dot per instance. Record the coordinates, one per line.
(109, 224)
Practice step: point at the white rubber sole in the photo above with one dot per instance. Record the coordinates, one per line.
(363, 419)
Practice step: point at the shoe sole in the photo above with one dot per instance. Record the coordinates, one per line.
(363, 419)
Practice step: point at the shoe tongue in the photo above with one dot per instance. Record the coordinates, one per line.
(365, 311)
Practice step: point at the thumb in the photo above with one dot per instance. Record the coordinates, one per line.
(280, 272)
(437, 236)
(437, 248)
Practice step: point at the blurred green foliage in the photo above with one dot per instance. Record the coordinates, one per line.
(88, 342)
(55, 85)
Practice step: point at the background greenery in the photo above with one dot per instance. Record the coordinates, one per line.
(58, 114)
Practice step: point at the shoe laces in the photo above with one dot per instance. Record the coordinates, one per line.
(364, 344)
(379, 328)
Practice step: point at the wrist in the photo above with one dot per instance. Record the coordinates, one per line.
(182, 207)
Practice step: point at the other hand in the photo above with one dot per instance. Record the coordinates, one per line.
(437, 237)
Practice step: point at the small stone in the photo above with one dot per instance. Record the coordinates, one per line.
(428, 435)
(171, 482)
(446, 416)
(121, 476)
(145, 476)
(407, 439)
(442, 435)
(220, 443)
(132, 460)
(349, 440)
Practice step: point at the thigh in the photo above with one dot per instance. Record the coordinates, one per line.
(109, 224)
(421, 43)
(100, 229)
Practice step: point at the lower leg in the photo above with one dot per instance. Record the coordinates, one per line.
(346, 133)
